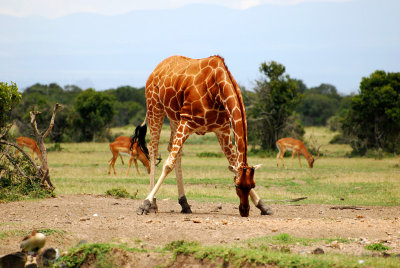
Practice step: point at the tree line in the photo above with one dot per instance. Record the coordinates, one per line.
(278, 106)
(87, 115)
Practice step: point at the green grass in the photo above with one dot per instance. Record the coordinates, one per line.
(234, 255)
(83, 167)
(239, 256)
(286, 239)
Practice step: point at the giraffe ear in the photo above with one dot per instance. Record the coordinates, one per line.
(233, 169)
(257, 166)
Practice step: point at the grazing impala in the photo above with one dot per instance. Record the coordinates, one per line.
(31, 144)
(127, 145)
(297, 146)
(125, 139)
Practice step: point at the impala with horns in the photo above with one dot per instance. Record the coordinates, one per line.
(297, 146)
(31, 144)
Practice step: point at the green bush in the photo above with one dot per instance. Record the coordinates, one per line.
(376, 247)
(118, 192)
(15, 187)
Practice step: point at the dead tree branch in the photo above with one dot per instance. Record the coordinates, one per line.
(287, 200)
(56, 107)
(347, 207)
(40, 141)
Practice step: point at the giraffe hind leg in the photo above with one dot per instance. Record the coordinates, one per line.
(184, 204)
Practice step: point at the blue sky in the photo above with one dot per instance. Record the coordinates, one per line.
(59, 8)
(106, 44)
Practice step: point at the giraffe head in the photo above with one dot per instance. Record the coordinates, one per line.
(244, 182)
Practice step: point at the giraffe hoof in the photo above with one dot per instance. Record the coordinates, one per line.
(184, 204)
(186, 210)
(265, 210)
(154, 206)
(144, 208)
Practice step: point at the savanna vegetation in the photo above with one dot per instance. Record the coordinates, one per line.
(278, 106)
(82, 167)
(347, 127)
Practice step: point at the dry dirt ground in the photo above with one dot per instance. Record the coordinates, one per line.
(96, 218)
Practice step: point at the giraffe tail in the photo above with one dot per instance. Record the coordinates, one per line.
(140, 138)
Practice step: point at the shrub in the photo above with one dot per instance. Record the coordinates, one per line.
(118, 192)
(15, 187)
(376, 247)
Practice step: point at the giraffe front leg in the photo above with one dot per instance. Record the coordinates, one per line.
(257, 201)
(226, 144)
(155, 130)
(183, 132)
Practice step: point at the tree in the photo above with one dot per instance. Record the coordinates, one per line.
(271, 114)
(9, 98)
(326, 89)
(21, 176)
(95, 111)
(318, 105)
(302, 87)
(130, 105)
(42, 98)
(373, 120)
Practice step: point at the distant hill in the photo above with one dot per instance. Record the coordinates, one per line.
(334, 43)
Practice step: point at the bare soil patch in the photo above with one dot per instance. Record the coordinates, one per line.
(96, 219)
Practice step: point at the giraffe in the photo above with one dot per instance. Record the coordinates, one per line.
(198, 96)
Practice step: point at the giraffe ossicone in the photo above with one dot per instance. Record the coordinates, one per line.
(198, 96)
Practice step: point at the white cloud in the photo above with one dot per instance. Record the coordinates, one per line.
(59, 8)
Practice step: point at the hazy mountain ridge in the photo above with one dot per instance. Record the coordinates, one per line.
(312, 40)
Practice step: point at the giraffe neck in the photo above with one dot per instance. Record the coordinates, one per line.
(233, 103)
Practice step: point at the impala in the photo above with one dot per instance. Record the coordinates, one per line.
(124, 139)
(126, 145)
(31, 144)
(297, 146)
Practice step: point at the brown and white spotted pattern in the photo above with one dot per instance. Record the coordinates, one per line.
(198, 96)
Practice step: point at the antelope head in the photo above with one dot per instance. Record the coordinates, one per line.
(311, 160)
(244, 182)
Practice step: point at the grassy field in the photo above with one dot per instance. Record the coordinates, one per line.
(335, 179)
